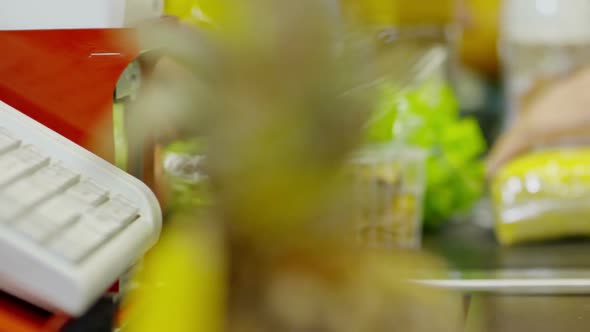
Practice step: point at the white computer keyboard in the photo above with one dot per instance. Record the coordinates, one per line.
(70, 222)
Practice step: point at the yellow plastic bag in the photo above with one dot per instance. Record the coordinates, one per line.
(543, 196)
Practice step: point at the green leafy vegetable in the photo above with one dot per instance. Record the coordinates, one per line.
(427, 116)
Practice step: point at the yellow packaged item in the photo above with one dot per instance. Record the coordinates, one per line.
(543, 196)
(181, 287)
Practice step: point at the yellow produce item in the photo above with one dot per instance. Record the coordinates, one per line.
(543, 196)
(480, 35)
(181, 286)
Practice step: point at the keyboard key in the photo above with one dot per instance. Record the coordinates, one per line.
(61, 222)
(56, 177)
(66, 250)
(107, 228)
(31, 155)
(41, 186)
(9, 209)
(35, 227)
(19, 163)
(116, 210)
(28, 193)
(7, 141)
(89, 192)
(62, 210)
(76, 243)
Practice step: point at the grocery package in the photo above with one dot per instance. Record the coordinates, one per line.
(183, 164)
(389, 186)
(422, 111)
(543, 196)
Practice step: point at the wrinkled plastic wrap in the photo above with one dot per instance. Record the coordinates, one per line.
(389, 183)
(543, 196)
(185, 176)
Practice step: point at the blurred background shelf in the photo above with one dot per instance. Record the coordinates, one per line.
(478, 263)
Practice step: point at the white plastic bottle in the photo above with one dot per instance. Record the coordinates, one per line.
(541, 41)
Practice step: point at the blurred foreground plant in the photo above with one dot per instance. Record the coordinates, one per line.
(281, 97)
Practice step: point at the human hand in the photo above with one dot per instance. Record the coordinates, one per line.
(559, 116)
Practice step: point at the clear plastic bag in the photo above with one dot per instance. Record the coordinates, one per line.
(389, 183)
(543, 196)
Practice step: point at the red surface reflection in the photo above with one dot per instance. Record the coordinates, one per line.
(65, 79)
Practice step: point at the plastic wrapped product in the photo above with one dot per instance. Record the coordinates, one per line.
(543, 196)
(185, 178)
(389, 185)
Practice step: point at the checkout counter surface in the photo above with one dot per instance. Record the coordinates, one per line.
(478, 264)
